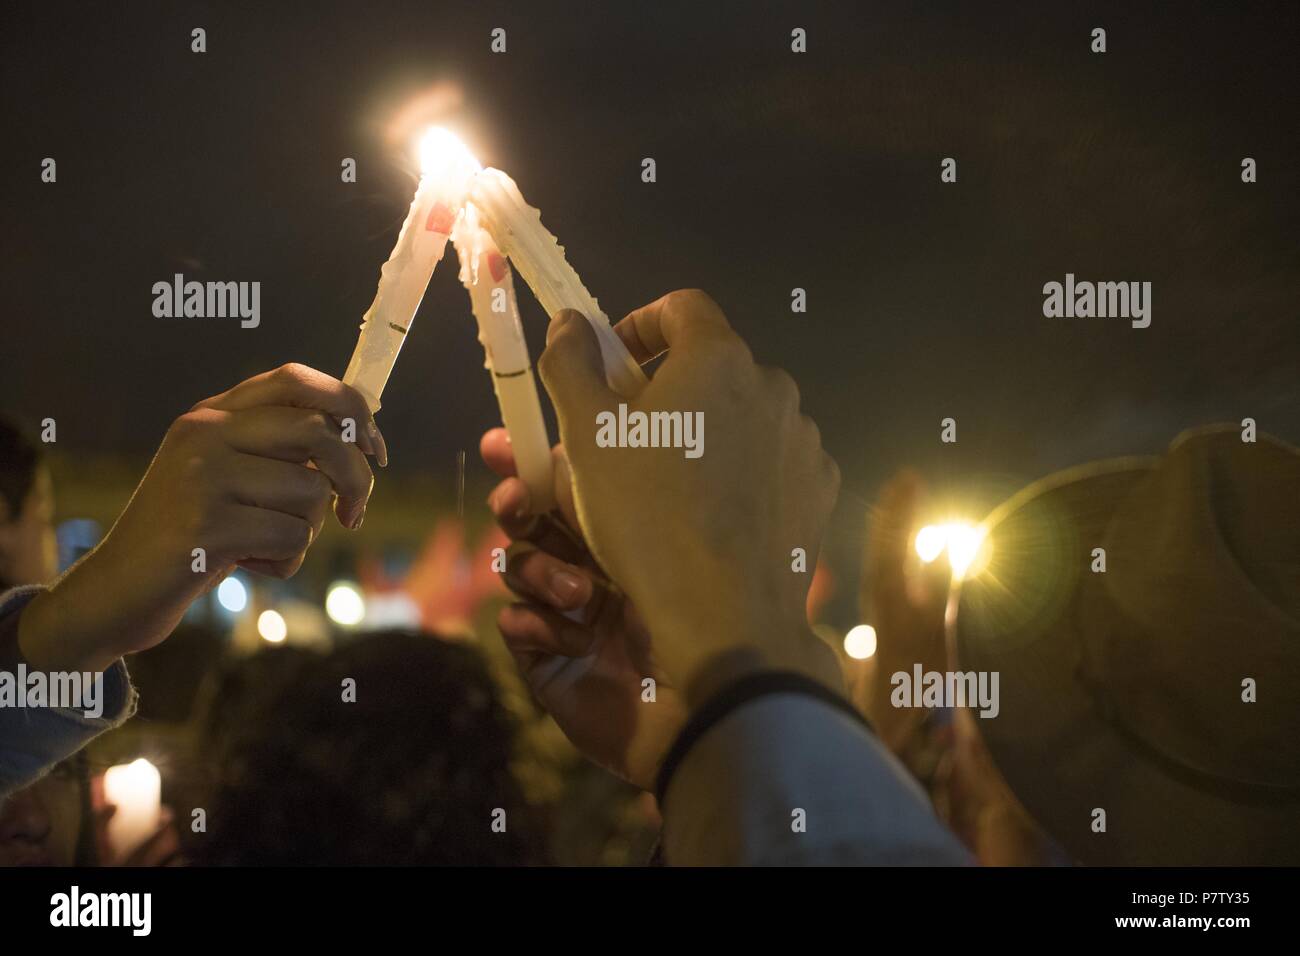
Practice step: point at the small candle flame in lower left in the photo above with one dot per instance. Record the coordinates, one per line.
(135, 789)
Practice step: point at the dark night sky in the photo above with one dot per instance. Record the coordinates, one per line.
(775, 170)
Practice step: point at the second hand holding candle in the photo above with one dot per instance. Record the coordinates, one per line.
(518, 231)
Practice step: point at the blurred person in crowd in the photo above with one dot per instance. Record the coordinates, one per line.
(905, 604)
(28, 549)
(661, 622)
(42, 824)
(412, 767)
(1144, 616)
(906, 601)
(1131, 609)
(243, 479)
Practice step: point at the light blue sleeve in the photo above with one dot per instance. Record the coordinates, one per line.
(788, 780)
(34, 739)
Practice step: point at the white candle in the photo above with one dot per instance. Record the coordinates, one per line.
(486, 275)
(519, 233)
(136, 790)
(447, 168)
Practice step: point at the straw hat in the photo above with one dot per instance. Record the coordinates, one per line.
(1129, 690)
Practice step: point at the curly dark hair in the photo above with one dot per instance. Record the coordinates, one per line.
(412, 773)
(19, 459)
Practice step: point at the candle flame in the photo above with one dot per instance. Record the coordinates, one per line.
(964, 542)
(443, 151)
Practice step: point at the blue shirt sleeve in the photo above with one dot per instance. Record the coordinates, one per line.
(34, 739)
(788, 780)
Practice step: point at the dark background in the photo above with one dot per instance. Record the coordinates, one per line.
(775, 170)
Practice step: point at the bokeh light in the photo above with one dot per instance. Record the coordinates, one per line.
(232, 595)
(271, 625)
(344, 604)
(860, 642)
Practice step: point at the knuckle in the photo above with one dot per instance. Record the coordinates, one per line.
(287, 568)
(732, 349)
(833, 476)
(302, 535)
(193, 422)
(784, 388)
(318, 485)
(323, 427)
(546, 361)
(294, 540)
(509, 626)
(292, 373)
(811, 429)
(367, 477)
(691, 300)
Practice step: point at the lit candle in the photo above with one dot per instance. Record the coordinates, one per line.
(486, 275)
(519, 233)
(135, 789)
(447, 168)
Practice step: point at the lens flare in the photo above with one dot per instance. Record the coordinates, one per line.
(964, 543)
(930, 541)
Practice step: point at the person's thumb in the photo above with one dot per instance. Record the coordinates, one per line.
(574, 374)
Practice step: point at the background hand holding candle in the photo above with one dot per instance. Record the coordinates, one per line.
(571, 621)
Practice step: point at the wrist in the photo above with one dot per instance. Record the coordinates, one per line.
(58, 631)
(91, 616)
(794, 648)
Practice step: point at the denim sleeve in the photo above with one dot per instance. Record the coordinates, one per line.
(787, 780)
(34, 739)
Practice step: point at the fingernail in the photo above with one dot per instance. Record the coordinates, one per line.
(377, 440)
(356, 515)
(565, 586)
